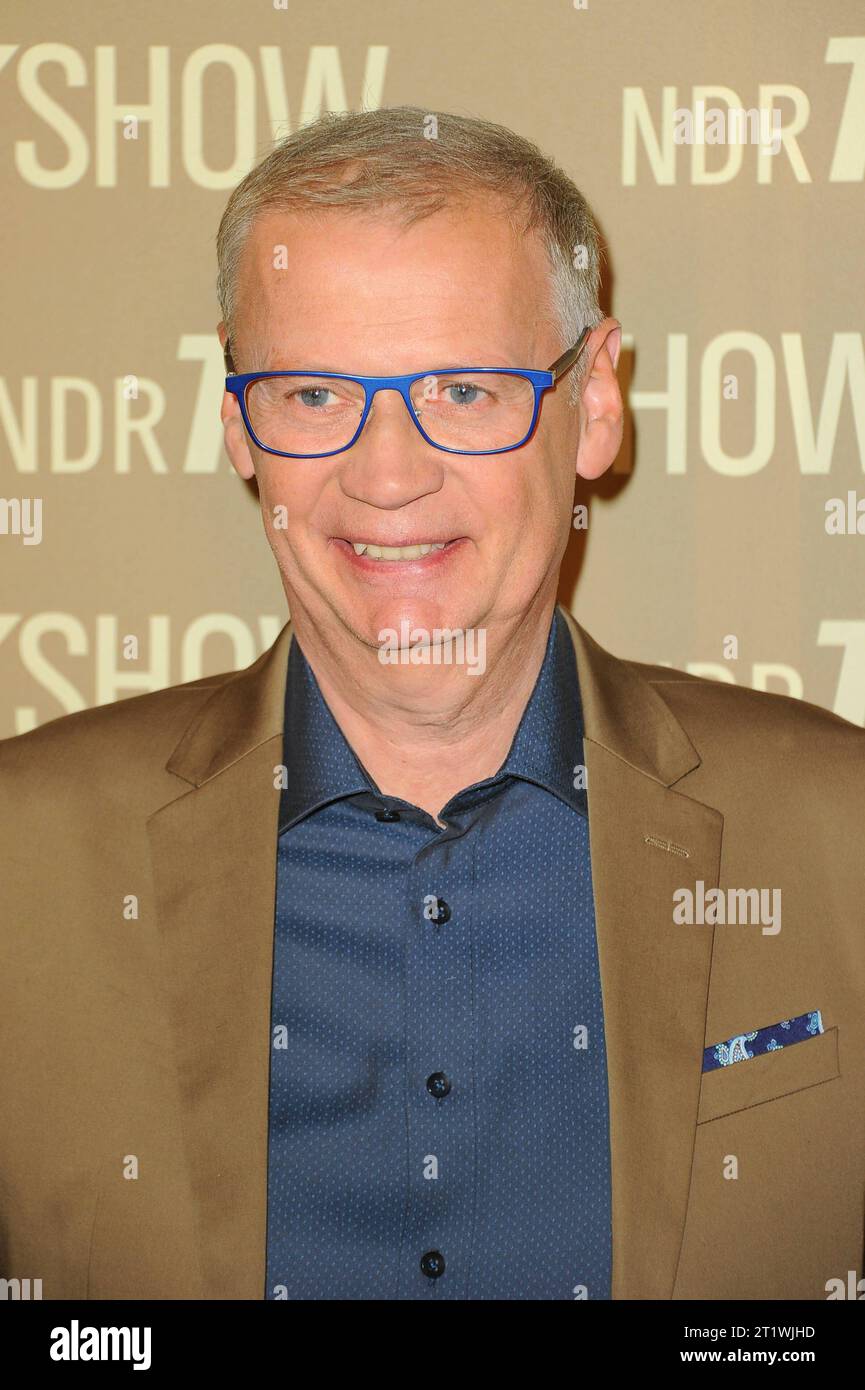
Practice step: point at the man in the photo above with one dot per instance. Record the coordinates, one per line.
(439, 954)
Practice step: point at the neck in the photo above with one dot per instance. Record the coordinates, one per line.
(426, 732)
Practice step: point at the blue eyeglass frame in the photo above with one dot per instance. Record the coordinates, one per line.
(237, 382)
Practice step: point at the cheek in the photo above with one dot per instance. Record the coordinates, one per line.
(554, 479)
(288, 501)
(505, 489)
(534, 499)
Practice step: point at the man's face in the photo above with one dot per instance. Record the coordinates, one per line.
(362, 294)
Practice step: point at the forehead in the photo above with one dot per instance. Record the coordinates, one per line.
(362, 273)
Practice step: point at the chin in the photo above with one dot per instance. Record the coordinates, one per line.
(397, 614)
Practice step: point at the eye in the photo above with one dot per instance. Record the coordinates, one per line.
(462, 392)
(467, 393)
(311, 395)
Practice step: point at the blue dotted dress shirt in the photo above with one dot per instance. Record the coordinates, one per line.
(439, 1123)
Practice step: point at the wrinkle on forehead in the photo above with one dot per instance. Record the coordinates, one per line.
(391, 298)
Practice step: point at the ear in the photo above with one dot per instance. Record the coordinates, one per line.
(234, 430)
(601, 409)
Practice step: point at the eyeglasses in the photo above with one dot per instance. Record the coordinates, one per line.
(463, 410)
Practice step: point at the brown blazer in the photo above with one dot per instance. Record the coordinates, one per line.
(146, 1038)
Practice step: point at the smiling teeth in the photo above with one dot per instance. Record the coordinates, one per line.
(395, 552)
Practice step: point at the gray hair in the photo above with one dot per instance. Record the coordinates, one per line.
(408, 160)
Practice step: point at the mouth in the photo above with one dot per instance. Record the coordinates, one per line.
(370, 556)
(397, 552)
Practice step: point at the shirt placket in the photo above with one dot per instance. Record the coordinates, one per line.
(441, 1116)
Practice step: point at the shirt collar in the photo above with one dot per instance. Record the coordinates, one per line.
(320, 764)
(547, 748)
(548, 745)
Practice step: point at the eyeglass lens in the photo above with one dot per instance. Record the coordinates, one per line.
(315, 413)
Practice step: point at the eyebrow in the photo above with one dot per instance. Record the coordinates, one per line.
(260, 362)
(455, 363)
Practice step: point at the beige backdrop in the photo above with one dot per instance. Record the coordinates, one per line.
(737, 275)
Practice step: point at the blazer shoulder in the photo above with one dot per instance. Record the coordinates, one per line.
(734, 720)
(125, 742)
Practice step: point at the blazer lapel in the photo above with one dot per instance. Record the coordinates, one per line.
(214, 865)
(654, 973)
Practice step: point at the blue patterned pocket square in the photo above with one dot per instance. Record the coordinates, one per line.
(778, 1035)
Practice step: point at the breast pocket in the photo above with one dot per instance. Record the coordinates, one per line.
(769, 1076)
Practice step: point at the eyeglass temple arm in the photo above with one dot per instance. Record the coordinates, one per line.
(230, 369)
(567, 359)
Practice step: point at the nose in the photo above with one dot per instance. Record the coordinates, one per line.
(391, 465)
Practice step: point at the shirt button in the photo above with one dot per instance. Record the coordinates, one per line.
(387, 816)
(438, 1085)
(432, 1262)
(440, 913)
